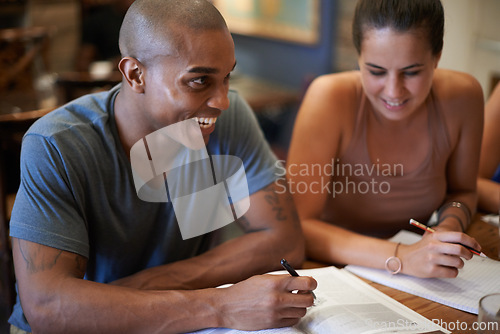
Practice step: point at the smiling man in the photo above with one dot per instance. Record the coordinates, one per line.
(91, 256)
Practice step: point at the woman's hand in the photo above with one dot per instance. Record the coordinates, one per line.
(438, 254)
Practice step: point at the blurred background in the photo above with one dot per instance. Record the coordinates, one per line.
(284, 43)
(52, 51)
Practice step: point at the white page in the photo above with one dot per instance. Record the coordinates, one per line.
(348, 305)
(480, 276)
(345, 304)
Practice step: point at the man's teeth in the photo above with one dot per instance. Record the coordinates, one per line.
(206, 122)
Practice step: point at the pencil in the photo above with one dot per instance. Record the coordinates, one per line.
(431, 230)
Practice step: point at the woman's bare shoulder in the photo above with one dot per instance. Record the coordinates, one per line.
(454, 87)
(331, 92)
(460, 98)
(340, 82)
(327, 115)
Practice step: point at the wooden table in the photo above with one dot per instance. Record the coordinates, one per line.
(72, 85)
(262, 94)
(488, 237)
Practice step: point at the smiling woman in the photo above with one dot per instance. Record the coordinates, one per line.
(397, 110)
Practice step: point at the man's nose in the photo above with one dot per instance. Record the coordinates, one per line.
(219, 100)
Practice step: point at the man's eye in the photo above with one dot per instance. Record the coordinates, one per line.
(199, 81)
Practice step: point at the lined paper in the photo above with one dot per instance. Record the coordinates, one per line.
(479, 277)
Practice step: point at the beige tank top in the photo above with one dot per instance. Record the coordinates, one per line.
(378, 199)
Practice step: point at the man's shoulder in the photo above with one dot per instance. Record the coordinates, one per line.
(85, 112)
(235, 99)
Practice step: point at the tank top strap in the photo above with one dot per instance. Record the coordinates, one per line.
(359, 128)
(437, 126)
(356, 149)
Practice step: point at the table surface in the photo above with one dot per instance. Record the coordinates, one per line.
(261, 94)
(488, 237)
(23, 115)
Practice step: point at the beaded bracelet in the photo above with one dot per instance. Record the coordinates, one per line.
(460, 206)
(396, 259)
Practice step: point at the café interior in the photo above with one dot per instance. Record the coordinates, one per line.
(46, 60)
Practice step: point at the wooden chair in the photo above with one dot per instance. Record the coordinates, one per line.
(12, 13)
(12, 128)
(24, 60)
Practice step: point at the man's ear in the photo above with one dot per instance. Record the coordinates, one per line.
(133, 73)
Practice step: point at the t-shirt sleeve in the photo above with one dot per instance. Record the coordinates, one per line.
(243, 136)
(45, 210)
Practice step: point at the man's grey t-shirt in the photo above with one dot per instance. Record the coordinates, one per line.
(77, 192)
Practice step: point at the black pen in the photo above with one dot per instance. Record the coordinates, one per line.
(292, 271)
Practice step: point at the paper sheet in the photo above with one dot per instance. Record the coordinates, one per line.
(345, 304)
(480, 276)
(491, 219)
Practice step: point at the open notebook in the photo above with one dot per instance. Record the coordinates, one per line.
(346, 304)
(479, 277)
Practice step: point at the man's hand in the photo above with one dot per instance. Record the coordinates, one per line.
(266, 301)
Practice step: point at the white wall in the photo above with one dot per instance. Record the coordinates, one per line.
(63, 17)
(472, 38)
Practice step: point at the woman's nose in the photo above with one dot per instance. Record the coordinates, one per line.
(394, 87)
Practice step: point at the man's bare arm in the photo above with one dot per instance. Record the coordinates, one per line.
(272, 232)
(56, 299)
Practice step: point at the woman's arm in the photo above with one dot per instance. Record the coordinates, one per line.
(488, 190)
(462, 101)
(321, 132)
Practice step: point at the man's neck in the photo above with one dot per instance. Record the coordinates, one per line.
(127, 122)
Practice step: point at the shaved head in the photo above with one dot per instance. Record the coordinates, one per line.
(155, 27)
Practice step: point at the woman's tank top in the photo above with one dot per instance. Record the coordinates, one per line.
(378, 199)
